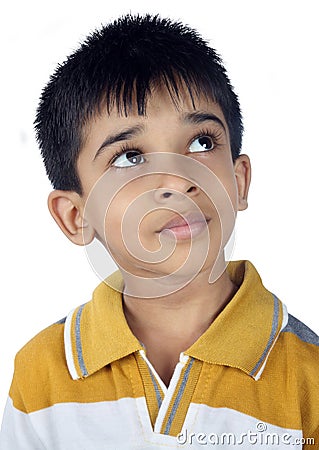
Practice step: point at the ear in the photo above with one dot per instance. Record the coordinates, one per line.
(66, 207)
(242, 170)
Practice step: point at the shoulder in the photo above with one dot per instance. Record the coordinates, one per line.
(45, 346)
(40, 367)
(299, 331)
(299, 357)
(299, 347)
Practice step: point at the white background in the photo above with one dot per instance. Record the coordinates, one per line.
(270, 49)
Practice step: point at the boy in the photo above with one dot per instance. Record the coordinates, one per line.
(140, 132)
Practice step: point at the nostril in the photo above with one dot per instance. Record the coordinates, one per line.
(191, 189)
(166, 194)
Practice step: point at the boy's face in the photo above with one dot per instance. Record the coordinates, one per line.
(161, 191)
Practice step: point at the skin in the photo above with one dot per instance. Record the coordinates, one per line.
(159, 322)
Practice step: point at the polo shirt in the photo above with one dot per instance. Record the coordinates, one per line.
(249, 382)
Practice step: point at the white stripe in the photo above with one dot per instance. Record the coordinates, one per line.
(122, 425)
(17, 431)
(68, 346)
(285, 316)
(208, 427)
(125, 425)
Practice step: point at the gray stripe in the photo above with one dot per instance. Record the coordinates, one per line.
(60, 322)
(78, 341)
(178, 397)
(157, 391)
(272, 335)
(301, 331)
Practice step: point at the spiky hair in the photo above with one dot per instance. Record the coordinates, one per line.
(118, 66)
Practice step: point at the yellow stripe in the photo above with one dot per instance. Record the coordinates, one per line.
(42, 376)
(277, 397)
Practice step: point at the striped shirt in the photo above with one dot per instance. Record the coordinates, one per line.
(249, 382)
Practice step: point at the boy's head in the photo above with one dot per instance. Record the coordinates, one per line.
(119, 67)
(140, 132)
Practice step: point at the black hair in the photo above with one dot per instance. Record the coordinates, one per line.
(119, 66)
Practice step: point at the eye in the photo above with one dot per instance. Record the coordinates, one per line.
(128, 159)
(202, 144)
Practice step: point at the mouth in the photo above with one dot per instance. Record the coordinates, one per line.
(187, 227)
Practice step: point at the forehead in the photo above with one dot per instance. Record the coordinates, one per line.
(162, 108)
(166, 124)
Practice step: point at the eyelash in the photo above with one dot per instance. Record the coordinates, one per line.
(215, 136)
(123, 149)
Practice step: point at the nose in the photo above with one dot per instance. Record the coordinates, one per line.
(175, 188)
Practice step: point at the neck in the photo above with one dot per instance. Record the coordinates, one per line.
(195, 305)
(169, 325)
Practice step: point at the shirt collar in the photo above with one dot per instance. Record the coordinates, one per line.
(245, 331)
(241, 336)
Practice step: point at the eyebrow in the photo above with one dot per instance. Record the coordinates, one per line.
(202, 116)
(123, 135)
(128, 133)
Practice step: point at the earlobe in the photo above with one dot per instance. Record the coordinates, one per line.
(66, 209)
(242, 170)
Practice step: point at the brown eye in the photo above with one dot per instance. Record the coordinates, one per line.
(128, 159)
(201, 144)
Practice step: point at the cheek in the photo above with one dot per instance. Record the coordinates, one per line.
(224, 200)
(115, 214)
(223, 169)
(123, 218)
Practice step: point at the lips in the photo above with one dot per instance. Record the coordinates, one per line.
(189, 226)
